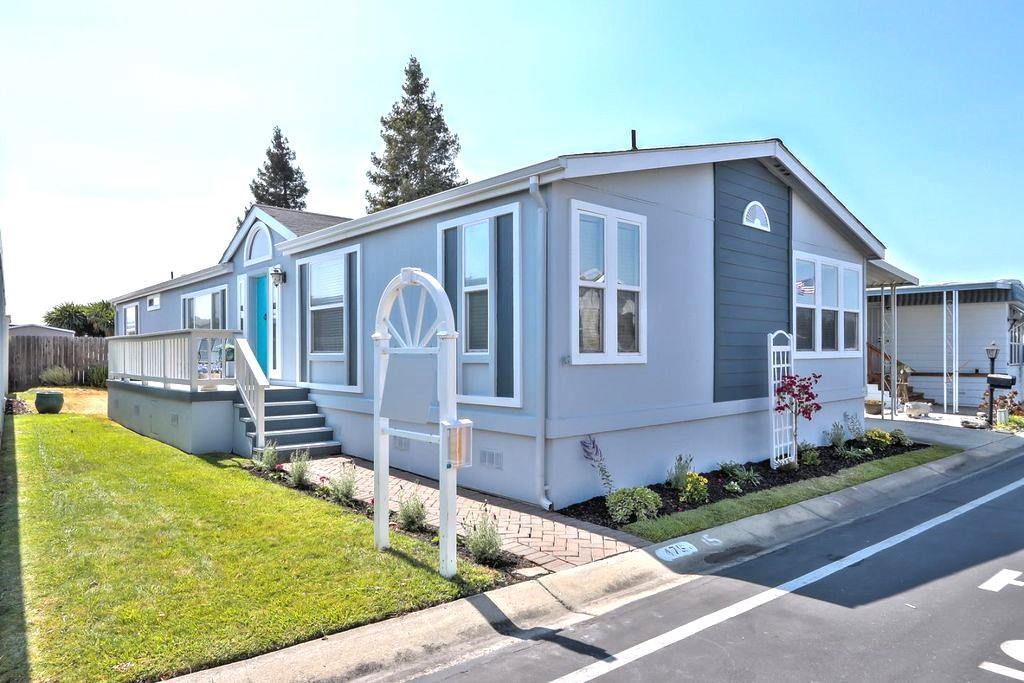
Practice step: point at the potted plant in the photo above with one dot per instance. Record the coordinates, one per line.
(49, 401)
(873, 406)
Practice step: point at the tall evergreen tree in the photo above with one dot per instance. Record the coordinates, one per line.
(280, 182)
(419, 149)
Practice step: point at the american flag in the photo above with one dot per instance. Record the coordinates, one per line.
(805, 287)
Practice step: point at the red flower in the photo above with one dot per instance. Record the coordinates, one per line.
(323, 479)
(279, 467)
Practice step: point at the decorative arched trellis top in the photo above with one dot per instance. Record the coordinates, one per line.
(755, 216)
(412, 334)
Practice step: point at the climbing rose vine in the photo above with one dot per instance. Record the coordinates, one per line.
(795, 394)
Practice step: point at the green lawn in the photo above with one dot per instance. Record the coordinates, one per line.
(124, 559)
(725, 511)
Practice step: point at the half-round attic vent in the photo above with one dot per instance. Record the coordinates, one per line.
(755, 216)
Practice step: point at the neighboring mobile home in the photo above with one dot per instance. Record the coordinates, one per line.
(39, 330)
(627, 295)
(933, 320)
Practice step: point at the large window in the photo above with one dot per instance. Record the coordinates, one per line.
(327, 306)
(329, 326)
(608, 275)
(205, 309)
(131, 319)
(478, 263)
(827, 297)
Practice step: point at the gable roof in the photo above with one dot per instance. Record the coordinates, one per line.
(772, 153)
(300, 222)
(289, 223)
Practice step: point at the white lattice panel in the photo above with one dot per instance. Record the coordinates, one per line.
(780, 359)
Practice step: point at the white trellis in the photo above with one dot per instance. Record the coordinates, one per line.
(454, 436)
(780, 359)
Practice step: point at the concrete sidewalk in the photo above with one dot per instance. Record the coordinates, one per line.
(417, 643)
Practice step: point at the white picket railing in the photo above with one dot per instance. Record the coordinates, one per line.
(252, 384)
(182, 359)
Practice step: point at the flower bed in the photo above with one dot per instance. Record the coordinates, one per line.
(505, 562)
(831, 461)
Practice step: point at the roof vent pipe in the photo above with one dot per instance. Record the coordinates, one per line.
(632, 140)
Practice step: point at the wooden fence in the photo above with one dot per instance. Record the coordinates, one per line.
(29, 356)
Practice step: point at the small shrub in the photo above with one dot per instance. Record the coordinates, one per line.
(483, 541)
(677, 473)
(878, 438)
(854, 454)
(632, 504)
(836, 435)
(268, 458)
(696, 490)
(1016, 423)
(734, 488)
(343, 487)
(96, 376)
(853, 426)
(592, 452)
(900, 438)
(808, 454)
(300, 466)
(746, 477)
(56, 376)
(412, 514)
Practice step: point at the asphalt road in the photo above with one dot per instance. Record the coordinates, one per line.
(894, 596)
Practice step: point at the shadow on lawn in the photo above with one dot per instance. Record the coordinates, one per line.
(13, 638)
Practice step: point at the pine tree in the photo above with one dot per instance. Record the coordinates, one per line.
(279, 182)
(419, 149)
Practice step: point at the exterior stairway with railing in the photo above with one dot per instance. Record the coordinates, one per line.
(877, 363)
(292, 422)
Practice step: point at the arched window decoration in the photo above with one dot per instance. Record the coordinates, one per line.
(754, 216)
(259, 246)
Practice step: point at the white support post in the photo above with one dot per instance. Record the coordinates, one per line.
(893, 370)
(956, 352)
(447, 483)
(381, 445)
(945, 352)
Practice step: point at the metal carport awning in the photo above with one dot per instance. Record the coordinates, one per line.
(882, 275)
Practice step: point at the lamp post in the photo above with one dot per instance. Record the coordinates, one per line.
(992, 350)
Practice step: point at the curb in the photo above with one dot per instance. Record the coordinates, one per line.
(466, 628)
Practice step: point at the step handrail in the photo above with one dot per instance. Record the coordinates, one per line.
(252, 385)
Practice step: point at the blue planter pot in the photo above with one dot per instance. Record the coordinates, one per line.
(49, 401)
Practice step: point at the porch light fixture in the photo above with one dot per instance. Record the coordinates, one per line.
(278, 276)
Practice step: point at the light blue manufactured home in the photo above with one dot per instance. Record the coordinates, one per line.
(627, 295)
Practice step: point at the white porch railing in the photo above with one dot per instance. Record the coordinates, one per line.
(252, 384)
(182, 359)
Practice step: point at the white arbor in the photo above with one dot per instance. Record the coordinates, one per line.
(410, 401)
(780, 360)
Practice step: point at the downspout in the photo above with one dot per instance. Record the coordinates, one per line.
(540, 452)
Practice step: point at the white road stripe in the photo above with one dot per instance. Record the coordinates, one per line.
(1015, 674)
(647, 647)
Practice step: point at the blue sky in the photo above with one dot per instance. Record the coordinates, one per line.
(130, 131)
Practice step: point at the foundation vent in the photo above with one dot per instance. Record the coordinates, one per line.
(491, 458)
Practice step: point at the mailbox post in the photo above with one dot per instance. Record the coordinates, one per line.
(995, 381)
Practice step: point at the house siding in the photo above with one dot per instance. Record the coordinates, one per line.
(752, 276)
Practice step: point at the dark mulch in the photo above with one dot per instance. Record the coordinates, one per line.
(505, 563)
(596, 512)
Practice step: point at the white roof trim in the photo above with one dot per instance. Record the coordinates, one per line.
(255, 214)
(884, 273)
(498, 186)
(187, 279)
(582, 165)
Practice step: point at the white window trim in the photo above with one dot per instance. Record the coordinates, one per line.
(274, 331)
(818, 262)
(200, 292)
(257, 228)
(241, 303)
(151, 306)
(516, 400)
(743, 217)
(611, 354)
(124, 319)
(302, 309)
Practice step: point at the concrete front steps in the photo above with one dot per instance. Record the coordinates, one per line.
(293, 423)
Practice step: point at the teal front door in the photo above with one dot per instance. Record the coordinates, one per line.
(262, 309)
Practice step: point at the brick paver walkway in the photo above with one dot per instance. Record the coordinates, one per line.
(548, 539)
